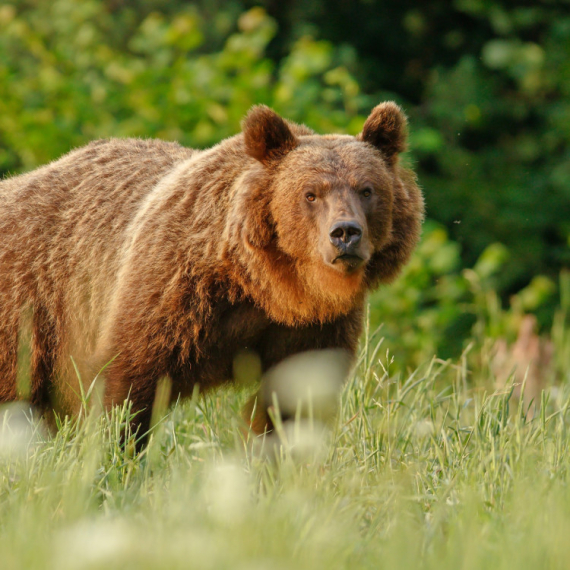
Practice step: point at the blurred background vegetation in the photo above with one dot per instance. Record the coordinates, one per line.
(486, 85)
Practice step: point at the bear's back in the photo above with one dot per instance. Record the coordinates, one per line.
(81, 204)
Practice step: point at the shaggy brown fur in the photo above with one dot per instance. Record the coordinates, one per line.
(170, 260)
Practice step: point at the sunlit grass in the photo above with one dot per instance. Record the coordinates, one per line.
(422, 470)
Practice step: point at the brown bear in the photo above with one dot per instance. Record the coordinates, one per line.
(168, 261)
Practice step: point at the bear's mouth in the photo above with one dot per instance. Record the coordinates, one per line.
(348, 261)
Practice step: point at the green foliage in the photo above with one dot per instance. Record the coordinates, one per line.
(436, 307)
(68, 75)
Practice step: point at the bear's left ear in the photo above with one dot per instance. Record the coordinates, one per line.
(267, 136)
(385, 129)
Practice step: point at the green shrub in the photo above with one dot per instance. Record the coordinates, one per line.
(435, 307)
(75, 71)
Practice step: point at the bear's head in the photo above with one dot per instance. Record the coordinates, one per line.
(336, 213)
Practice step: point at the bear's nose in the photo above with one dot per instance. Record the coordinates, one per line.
(345, 234)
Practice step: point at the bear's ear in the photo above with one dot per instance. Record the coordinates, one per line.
(385, 129)
(267, 136)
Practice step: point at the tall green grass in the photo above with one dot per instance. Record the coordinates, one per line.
(420, 470)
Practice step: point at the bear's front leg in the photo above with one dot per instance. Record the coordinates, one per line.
(256, 415)
(138, 384)
(300, 362)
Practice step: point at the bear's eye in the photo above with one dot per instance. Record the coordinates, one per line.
(310, 197)
(366, 192)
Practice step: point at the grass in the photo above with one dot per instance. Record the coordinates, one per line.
(424, 470)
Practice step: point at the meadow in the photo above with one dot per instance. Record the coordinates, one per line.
(436, 467)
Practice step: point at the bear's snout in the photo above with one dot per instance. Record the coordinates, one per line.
(346, 238)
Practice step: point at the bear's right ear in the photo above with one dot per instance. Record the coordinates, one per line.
(267, 136)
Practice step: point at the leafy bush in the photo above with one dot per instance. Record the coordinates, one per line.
(68, 75)
(436, 307)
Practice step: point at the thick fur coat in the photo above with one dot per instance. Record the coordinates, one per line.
(168, 261)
